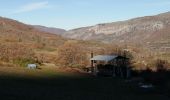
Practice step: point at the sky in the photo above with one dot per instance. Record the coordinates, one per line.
(70, 14)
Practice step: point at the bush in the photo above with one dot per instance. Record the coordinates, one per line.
(16, 53)
(23, 62)
(161, 65)
(71, 54)
(158, 77)
(146, 74)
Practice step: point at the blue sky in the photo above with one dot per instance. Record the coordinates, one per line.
(69, 14)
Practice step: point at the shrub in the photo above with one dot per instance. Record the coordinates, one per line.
(23, 62)
(71, 54)
(161, 65)
(16, 53)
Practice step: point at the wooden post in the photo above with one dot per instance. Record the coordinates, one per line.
(92, 66)
(114, 71)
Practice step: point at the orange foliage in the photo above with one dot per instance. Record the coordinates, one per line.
(71, 54)
(13, 51)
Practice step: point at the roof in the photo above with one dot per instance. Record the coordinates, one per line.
(104, 57)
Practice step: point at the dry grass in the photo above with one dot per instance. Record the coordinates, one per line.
(42, 72)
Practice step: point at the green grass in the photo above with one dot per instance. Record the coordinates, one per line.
(23, 62)
(48, 84)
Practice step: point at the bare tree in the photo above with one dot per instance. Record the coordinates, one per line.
(71, 54)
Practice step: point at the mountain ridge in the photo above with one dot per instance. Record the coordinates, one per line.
(52, 30)
(142, 28)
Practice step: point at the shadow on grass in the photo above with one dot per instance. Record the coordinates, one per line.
(160, 79)
(70, 88)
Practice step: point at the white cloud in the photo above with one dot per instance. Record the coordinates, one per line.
(31, 7)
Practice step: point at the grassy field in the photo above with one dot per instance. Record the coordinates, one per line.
(49, 83)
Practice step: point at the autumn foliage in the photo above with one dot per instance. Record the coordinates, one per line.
(71, 54)
(16, 54)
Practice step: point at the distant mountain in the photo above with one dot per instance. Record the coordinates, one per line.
(17, 32)
(134, 29)
(151, 31)
(50, 29)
